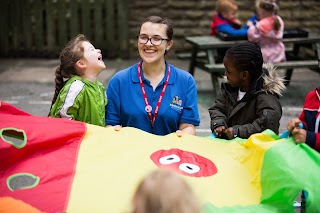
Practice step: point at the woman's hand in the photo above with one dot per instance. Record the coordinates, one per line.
(186, 128)
(116, 127)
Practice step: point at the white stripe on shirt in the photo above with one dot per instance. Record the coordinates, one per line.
(74, 90)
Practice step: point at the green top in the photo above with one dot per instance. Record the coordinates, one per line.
(81, 100)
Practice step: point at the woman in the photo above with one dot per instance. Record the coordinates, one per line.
(153, 95)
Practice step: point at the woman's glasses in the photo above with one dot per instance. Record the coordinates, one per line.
(156, 41)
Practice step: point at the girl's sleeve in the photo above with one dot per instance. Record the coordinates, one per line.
(217, 112)
(68, 102)
(254, 34)
(268, 112)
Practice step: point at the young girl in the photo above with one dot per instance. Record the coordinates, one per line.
(164, 191)
(249, 102)
(82, 96)
(268, 32)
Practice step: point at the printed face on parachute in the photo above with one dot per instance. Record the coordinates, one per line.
(184, 162)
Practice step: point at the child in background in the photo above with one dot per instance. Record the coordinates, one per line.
(82, 96)
(164, 191)
(224, 20)
(249, 102)
(268, 32)
(255, 18)
(310, 118)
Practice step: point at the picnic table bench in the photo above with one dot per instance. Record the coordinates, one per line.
(204, 54)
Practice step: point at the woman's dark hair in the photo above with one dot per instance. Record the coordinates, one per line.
(161, 20)
(72, 52)
(247, 57)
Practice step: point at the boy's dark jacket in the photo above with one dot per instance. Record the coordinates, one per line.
(258, 110)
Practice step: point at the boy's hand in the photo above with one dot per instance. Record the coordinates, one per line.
(237, 21)
(249, 23)
(293, 123)
(299, 135)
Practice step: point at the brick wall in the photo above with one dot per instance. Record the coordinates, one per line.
(193, 17)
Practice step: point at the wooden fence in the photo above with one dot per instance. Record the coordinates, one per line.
(40, 28)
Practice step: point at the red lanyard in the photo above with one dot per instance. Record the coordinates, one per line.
(148, 108)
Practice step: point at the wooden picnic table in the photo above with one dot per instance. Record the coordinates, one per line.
(210, 45)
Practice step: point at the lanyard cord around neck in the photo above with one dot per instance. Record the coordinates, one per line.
(148, 108)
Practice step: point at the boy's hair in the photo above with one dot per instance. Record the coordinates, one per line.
(163, 191)
(225, 5)
(271, 6)
(161, 20)
(72, 52)
(247, 57)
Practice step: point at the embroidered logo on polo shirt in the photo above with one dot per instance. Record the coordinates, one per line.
(176, 103)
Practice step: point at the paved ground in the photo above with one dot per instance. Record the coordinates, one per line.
(28, 84)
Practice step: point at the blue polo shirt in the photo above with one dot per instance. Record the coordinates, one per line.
(126, 104)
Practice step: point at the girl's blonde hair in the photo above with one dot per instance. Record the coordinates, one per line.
(164, 191)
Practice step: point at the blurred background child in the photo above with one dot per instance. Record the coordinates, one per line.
(268, 32)
(225, 21)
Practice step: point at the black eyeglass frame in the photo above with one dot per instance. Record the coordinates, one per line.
(150, 39)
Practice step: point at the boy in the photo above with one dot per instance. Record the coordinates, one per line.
(225, 21)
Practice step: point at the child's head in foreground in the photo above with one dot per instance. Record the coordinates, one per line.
(164, 191)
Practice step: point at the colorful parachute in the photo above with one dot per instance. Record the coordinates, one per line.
(56, 165)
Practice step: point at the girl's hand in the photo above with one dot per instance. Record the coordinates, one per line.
(219, 130)
(229, 133)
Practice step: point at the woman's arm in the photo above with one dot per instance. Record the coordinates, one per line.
(186, 128)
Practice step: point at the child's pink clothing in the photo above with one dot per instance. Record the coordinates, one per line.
(269, 40)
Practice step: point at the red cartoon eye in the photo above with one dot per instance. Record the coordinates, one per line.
(189, 168)
(184, 162)
(165, 160)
